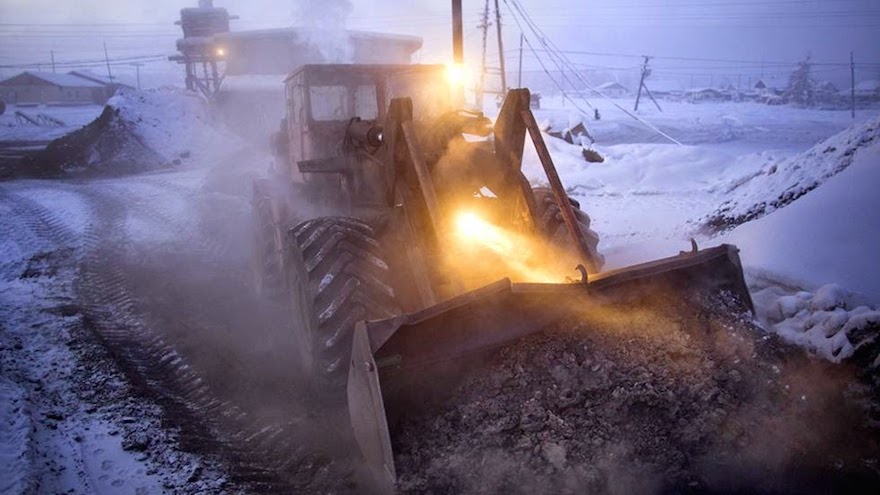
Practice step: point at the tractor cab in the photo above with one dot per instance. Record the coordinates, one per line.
(322, 100)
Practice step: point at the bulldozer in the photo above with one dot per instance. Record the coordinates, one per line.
(408, 242)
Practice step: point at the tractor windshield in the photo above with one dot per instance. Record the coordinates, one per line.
(429, 92)
(339, 103)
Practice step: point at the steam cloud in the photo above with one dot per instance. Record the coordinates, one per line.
(323, 27)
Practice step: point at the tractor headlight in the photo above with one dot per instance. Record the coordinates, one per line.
(456, 75)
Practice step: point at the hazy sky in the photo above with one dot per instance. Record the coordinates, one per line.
(747, 37)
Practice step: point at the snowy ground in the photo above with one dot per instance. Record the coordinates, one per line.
(71, 421)
(651, 196)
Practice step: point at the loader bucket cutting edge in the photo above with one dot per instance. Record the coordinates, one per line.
(398, 356)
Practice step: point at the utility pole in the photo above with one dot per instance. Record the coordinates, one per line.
(52, 54)
(107, 59)
(484, 26)
(852, 84)
(457, 36)
(519, 72)
(137, 66)
(645, 73)
(500, 49)
(457, 47)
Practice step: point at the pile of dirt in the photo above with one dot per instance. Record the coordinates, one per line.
(642, 401)
(138, 131)
(107, 146)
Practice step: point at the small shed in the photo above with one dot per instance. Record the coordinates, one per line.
(614, 89)
(868, 90)
(34, 88)
(666, 88)
(704, 94)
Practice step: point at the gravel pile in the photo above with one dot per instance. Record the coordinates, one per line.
(638, 400)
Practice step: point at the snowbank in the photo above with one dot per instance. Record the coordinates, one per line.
(775, 186)
(139, 131)
(829, 322)
(779, 127)
(829, 235)
(70, 119)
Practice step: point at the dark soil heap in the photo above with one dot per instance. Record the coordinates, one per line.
(107, 146)
(637, 400)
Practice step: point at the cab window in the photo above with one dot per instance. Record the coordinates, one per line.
(365, 102)
(329, 103)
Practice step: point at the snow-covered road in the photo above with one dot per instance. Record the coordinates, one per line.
(125, 367)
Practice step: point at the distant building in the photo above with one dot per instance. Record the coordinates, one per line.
(280, 51)
(35, 88)
(704, 94)
(111, 85)
(614, 90)
(868, 91)
(666, 88)
(257, 62)
(244, 71)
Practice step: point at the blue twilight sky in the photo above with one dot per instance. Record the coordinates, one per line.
(698, 42)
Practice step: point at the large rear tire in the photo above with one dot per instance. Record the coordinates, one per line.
(337, 276)
(551, 223)
(267, 267)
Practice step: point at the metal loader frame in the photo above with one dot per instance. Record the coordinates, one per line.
(386, 353)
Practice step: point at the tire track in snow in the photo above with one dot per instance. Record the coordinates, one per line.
(262, 456)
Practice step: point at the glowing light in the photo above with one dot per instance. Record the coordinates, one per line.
(221, 52)
(515, 252)
(469, 224)
(456, 74)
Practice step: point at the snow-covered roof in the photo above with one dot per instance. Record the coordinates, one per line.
(64, 80)
(868, 85)
(612, 85)
(664, 86)
(704, 90)
(254, 82)
(414, 42)
(98, 78)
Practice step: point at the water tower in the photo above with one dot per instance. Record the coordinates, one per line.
(199, 53)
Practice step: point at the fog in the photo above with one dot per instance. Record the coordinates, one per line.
(743, 40)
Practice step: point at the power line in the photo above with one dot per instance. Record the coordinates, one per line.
(700, 59)
(550, 46)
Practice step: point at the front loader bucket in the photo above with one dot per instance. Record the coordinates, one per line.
(400, 362)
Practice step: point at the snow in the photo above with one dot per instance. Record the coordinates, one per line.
(175, 123)
(828, 322)
(749, 125)
(869, 86)
(15, 427)
(809, 259)
(67, 425)
(828, 235)
(72, 117)
(778, 184)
